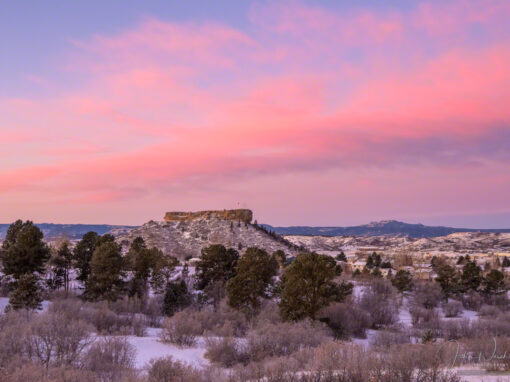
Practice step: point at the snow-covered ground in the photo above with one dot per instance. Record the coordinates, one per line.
(4, 301)
(151, 347)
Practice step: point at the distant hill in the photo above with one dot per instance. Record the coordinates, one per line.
(72, 231)
(186, 238)
(385, 227)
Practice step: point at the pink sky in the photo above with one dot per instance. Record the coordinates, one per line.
(307, 115)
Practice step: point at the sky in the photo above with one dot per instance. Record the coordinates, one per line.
(307, 112)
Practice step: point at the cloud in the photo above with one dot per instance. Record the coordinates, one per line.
(167, 105)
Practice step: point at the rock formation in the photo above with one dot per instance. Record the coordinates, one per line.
(241, 215)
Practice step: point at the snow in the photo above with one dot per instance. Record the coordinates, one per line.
(151, 347)
(4, 301)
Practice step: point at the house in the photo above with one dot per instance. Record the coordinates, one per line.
(358, 265)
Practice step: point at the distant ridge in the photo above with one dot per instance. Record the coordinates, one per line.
(72, 231)
(381, 228)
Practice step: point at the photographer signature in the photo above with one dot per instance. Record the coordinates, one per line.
(473, 357)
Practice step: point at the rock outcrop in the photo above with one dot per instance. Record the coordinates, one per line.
(186, 238)
(242, 215)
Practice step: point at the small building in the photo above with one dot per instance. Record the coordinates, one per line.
(358, 265)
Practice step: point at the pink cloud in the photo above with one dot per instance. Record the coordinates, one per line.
(178, 106)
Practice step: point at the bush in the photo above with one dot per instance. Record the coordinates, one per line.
(168, 370)
(270, 340)
(225, 351)
(110, 358)
(424, 318)
(489, 311)
(14, 337)
(108, 322)
(472, 300)
(380, 301)
(452, 309)
(346, 320)
(427, 295)
(181, 330)
(386, 338)
(55, 339)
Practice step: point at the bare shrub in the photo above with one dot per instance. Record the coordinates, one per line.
(346, 320)
(427, 295)
(380, 301)
(423, 318)
(269, 340)
(69, 308)
(180, 329)
(456, 329)
(225, 351)
(501, 301)
(387, 338)
(55, 339)
(14, 337)
(108, 322)
(110, 358)
(452, 308)
(169, 370)
(489, 311)
(472, 300)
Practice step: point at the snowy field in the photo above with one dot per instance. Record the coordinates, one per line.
(151, 347)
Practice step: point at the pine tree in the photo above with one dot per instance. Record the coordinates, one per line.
(24, 250)
(216, 267)
(308, 285)
(341, 257)
(61, 263)
(27, 294)
(176, 297)
(403, 280)
(448, 279)
(280, 257)
(106, 272)
(506, 262)
(471, 277)
(162, 271)
(494, 283)
(82, 255)
(254, 276)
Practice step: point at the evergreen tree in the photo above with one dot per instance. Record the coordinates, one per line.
(176, 297)
(140, 262)
(471, 277)
(494, 283)
(308, 285)
(341, 257)
(163, 269)
(61, 263)
(106, 272)
(356, 273)
(403, 280)
(370, 262)
(460, 260)
(506, 262)
(24, 250)
(27, 294)
(82, 254)
(254, 276)
(217, 265)
(448, 279)
(280, 257)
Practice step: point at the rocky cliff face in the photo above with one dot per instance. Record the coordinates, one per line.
(242, 215)
(187, 237)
